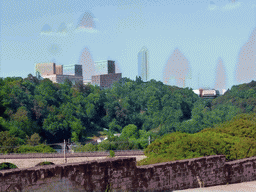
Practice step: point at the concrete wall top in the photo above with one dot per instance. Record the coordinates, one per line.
(58, 155)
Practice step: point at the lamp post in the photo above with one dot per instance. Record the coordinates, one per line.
(65, 160)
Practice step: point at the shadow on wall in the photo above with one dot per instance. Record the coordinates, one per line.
(44, 163)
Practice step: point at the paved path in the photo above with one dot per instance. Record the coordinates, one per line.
(26, 163)
(239, 187)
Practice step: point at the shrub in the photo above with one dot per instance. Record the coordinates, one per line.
(86, 147)
(112, 153)
(45, 163)
(104, 145)
(7, 142)
(34, 139)
(4, 166)
(34, 149)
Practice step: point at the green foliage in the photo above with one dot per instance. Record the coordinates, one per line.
(105, 145)
(45, 163)
(114, 127)
(34, 139)
(42, 148)
(242, 125)
(77, 129)
(86, 148)
(3, 124)
(242, 96)
(111, 153)
(4, 166)
(130, 131)
(235, 139)
(66, 111)
(7, 142)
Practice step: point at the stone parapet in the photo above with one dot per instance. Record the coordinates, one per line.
(121, 173)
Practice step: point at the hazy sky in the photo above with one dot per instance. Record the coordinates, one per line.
(59, 30)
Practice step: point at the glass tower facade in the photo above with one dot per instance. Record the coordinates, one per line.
(73, 70)
(143, 67)
(105, 67)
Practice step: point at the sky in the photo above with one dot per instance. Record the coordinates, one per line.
(211, 36)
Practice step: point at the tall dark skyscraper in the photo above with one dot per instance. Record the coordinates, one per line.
(143, 67)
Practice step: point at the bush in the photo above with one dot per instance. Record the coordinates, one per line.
(35, 149)
(45, 163)
(112, 153)
(7, 142)
(104, 145)
(33, 140)
(85, 148)
(4, 166)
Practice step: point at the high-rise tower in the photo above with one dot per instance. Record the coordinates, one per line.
(143, 67)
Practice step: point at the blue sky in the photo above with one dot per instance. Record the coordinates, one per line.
(204, 31)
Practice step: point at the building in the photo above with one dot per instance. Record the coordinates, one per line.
(207, 93)
(106, 80)
(105, 67)
(55, 72)
(75, 70)
(48, 69)
(87, 81)
(61, 78)
(143, 66)
(107, 76)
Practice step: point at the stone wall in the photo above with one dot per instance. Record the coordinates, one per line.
(123, 174)
(241, 170)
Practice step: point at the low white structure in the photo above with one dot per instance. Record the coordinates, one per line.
(100, 139)
(207, 93)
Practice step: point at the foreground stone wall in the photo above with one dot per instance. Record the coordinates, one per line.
(123, 174)
(241, 170)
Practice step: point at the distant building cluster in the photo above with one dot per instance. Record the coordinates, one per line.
(209, 93)
(58, 73)
(105, 71)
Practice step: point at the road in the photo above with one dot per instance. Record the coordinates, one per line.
(239, 187)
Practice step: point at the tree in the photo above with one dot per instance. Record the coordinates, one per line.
(114, 127)
(3, 124)
(48, 91)
(130, 131)
(34, 139)
(7, 142)
(77, 130)
(138, 80)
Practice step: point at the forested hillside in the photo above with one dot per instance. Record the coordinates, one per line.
(235, 139)
(63, 111)
(134, 108)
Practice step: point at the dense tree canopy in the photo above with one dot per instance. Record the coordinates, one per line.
(136, 109)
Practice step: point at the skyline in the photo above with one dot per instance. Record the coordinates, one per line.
(82, 33)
